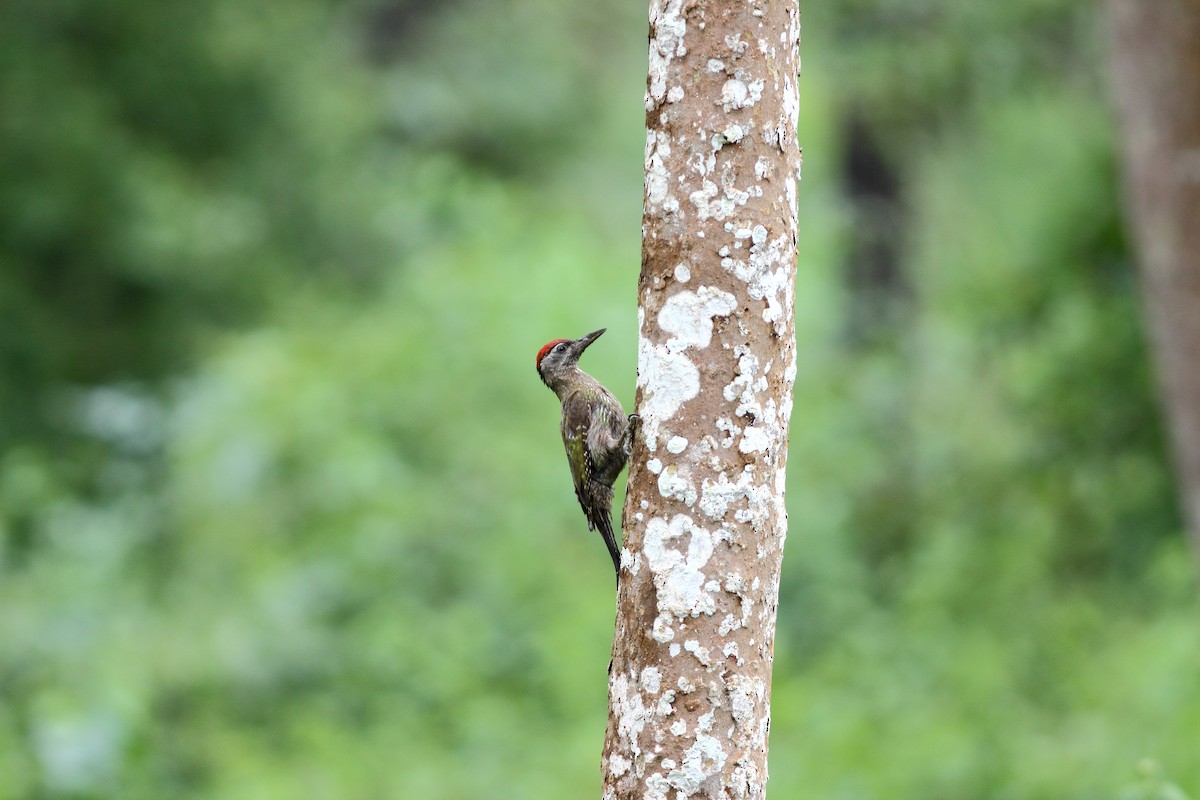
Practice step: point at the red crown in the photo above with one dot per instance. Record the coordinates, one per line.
(546, 349)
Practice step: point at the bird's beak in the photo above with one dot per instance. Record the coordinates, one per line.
(582, 342)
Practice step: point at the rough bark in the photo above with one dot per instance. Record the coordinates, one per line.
(1156, 71)
(704, 519)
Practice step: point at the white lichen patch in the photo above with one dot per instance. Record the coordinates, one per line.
(734, 42)
(699, 651)
(678, 574)
(755, 440)
(734, 94)
(762, 168)
(767, 429)
(630, 711)
(706, 202)
(747, 610)
(702, 161)
(669, 380)
(737, 93)
(730, 429)
(714, 203)
(704, 758)
(656, 788)
(665, 707)
(662, 632)
(767, 274)
(716, 496)
(682, 273)
(677, 444)
(668, 376)
(688, 316)
(658, 184)
(789, 117)
(667, 29)
(651, 680)
(674, 484)
(744, 696)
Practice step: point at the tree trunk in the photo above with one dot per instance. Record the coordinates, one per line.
(704, 520)
(1156, 69)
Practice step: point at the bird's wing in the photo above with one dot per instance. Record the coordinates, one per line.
(581, 420)
(608, 421)
(576, 421)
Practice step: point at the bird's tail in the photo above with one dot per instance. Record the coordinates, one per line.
(604, 523)
(599, 514)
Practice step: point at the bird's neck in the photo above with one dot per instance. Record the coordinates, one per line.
(569, 382)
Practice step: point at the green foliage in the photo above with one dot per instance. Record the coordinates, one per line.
(1151, 784)
(283, 509)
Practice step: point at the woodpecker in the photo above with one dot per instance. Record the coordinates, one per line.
(595, 431)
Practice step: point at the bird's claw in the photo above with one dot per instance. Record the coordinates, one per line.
(634, 425)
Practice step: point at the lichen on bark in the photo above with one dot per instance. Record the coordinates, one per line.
(704, 517)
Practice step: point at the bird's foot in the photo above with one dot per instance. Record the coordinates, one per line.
(631, 430)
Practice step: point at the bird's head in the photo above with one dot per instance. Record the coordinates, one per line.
(558, 357)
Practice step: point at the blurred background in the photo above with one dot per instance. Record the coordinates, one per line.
(283, 507)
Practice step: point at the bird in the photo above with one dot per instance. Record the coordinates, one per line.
(597, 434)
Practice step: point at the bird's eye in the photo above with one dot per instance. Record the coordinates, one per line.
(558, 348)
